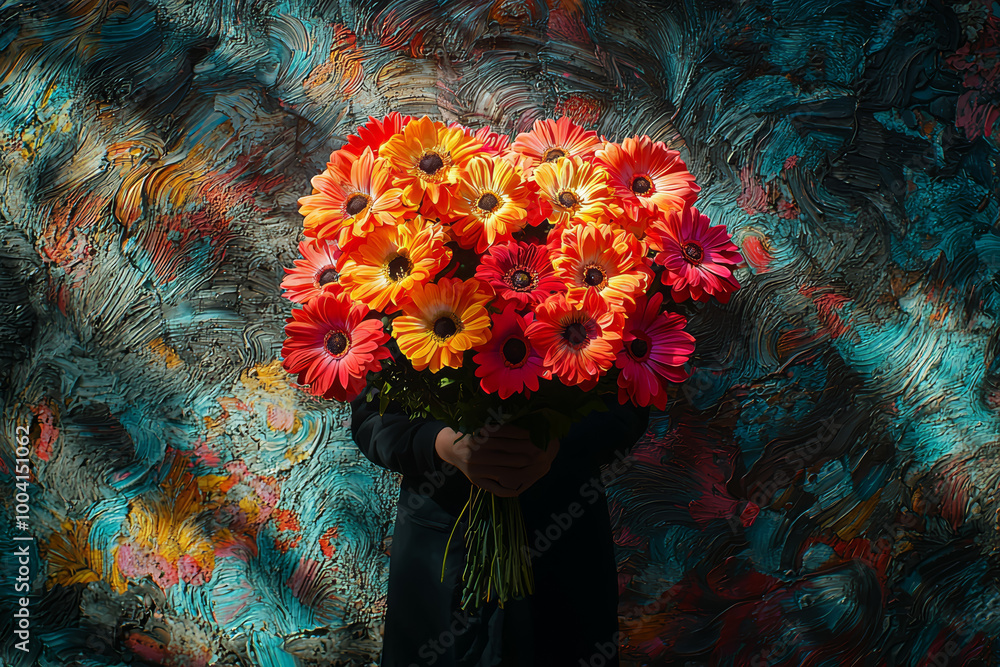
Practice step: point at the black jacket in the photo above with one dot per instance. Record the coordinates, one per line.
(572, 614)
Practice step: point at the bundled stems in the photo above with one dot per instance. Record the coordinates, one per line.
(498, 563)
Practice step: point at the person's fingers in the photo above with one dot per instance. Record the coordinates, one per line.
(501, 458)
(510, 431)
(508, 444)
(494, 487)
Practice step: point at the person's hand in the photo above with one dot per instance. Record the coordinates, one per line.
(504, 461)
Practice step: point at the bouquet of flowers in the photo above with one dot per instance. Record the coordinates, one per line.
(459, 272)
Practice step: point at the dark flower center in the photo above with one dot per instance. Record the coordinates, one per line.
(554, 154)
(693, 252)
(337, 343)
(568, 199)
(356, 204)
(575, 334)
(638, 348)
(445, 327)
(514, 351)
(593, 276)
(521, 280)
(488, 202)
(328, 275)
(431, 163)
(399, 268)
(641, 185)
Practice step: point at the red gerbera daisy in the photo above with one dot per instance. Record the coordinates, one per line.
(580, 340)
(332, 347)
(647, 176)
(698, 257)
(315, 273)
(493, 143)
(509, 362)
(372, 135)
(654, 351)
(520, 273)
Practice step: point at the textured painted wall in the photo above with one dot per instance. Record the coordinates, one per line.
(826, 491)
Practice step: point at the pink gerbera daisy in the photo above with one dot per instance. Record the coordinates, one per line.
(318, 271)
(698, 258)
(654, 351)
(332, 347)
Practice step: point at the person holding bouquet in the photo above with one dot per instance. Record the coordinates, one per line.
(499, 316)
(573, 613)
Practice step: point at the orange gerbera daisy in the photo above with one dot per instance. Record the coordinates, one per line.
(318, 271)
(580, 340)
(576, 190)
(442, 321)
(372, 135)
(348, 204)
(493, 201)
(332, 347)
(550, 140)
(391, 261)
(609, 260)
(647, 177)
(428, 158)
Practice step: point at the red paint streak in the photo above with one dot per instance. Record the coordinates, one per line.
(755, 252)
(974, 118)
(791, 161)
(582, 110)
(827, 305)
(569, 27)
(49, 432)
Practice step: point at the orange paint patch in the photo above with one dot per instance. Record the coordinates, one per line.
(326, 544)
(345, 64)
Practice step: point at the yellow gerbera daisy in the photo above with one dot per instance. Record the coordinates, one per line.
(442, 321)
(391, 261)
(606, 258)
(576, 190)
(428, 158)
(493, 200)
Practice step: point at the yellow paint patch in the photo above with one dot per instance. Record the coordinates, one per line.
(166, 353)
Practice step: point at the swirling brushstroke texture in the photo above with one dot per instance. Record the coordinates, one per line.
(825, 490)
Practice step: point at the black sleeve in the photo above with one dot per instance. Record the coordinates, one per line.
(602, 435)
(394, 440)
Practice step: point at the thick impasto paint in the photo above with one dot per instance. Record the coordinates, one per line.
(826, 489)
